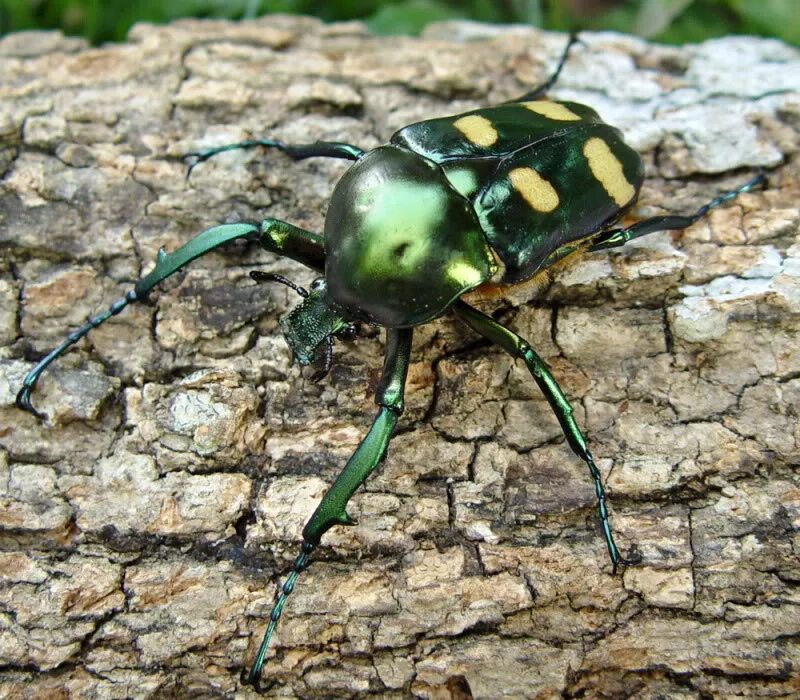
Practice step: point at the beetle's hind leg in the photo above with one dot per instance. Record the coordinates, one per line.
(614, 238)
(324, 149)
(539, 92)
(518, 347)
(332, 509)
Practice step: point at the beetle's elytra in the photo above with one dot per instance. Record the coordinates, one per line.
(492, 196)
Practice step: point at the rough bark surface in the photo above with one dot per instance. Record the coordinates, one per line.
(145, 524)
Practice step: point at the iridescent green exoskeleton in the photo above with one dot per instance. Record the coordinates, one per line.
(490, 196)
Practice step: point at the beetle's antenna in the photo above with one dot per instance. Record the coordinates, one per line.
(23, 400)
(300, 564)
(260, 277)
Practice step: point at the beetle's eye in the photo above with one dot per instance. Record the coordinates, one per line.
(318, 285)
(348, 333)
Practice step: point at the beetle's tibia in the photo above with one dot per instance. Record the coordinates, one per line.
(371, 450)
(204, 242)
(300, 563)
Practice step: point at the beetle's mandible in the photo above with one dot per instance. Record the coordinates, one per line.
(488, 197)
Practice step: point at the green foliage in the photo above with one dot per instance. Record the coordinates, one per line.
(675, 21)
(409, 17)
(780, 18)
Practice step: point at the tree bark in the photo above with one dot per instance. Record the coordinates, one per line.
(146, 522)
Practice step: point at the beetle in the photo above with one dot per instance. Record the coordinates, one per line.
(490, 197)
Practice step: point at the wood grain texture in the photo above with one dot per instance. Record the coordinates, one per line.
(144, 527)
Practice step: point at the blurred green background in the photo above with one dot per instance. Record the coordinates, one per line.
(671, 21)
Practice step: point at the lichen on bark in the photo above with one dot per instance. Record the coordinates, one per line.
(144, 526)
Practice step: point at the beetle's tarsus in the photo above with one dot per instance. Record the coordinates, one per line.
(540, 91)
(206, 154)
(198, 158)
(300, 564)
(23, 401)
(758, 180)
(621, 561)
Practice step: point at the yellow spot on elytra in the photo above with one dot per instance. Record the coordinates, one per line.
(552, 110)
(463, 274)
(605, 166)
(477, 129)
(535, 190)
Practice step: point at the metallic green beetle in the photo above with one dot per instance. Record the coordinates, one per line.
(489, 196)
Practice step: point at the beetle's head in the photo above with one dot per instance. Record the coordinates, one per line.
(312, 322)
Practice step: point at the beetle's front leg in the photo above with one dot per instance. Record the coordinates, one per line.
(518, 347)
(293, 242)
(332, 509)
(275, 236)
(166, 265)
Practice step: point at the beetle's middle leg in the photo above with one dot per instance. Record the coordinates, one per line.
(518, 347)
(332, 509)
(324, 149)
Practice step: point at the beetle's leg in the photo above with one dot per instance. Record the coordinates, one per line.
(332, 509)
(166, 264)
(620, 236)
(325, 149)
(539, 92)
(323, 367)
(518, 347)
(293, 242)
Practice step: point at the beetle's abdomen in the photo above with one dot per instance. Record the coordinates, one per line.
(401, 243)
(558, 193)
(539, 175)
